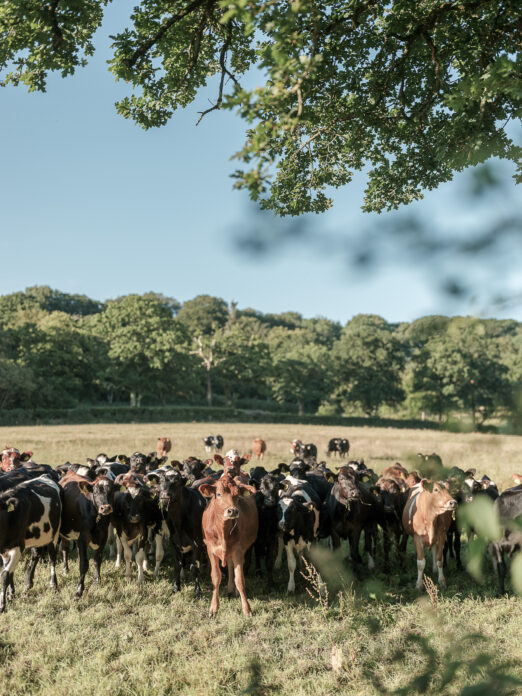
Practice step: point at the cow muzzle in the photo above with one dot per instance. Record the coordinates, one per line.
(105, 510)
(451, 504)
(231, 514)
(134, 519)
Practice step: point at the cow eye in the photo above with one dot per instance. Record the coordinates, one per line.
(218, 495)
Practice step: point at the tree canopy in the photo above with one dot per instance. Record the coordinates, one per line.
(409, 92)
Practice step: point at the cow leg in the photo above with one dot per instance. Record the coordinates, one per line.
(240, 582)
(196, 556)
(52, 550)
(97, 560)
(141, 560)
(434, 557)
(231, 586)
(292, 564)
(160, 552)
(119, 551)
(368, 537)
(177, 554)
(269, 562)
(127, 552)
(7, 576)
(31, 566)
(440, 562)
(457, 550)
(421, 562)
(279, 557)
(64, 547)
(216, 581)
(111, 541)
(84, 566)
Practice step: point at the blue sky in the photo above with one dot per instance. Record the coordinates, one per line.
(92, 204)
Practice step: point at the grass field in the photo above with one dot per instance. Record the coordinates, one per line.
(124, 639)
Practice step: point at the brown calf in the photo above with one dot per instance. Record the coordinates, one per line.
(163, 447)
(13, 458)
(395, 471)
(230, 525)
(259, 447)
(426, 517)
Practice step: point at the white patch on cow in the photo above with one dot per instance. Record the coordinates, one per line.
(83, 470)
(470, 482)
(291, 561)
(165, 529)
(371, 562)
(72, 536)
(420, 573)
(134, 491)
(316, 522)
(186, 549)
(44, 538)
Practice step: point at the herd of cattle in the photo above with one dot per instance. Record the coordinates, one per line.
(136, 504)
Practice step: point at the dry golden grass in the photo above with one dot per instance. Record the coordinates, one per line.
(497, 455)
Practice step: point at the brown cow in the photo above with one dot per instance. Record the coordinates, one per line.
(13, 458)
(163, 447)
(426, 517)
(230, 525)
(395, 471)
(259, 447)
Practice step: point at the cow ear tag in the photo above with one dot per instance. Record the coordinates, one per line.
(311, 507)
(150, 483)
(10, 507)
(122, 489)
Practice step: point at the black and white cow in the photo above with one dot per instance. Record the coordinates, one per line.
(338, 445)
(213, 443)
(135, 512)
(298, 520)
(87, 510)
(30, 517)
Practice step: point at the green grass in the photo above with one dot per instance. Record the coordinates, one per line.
(125, 639)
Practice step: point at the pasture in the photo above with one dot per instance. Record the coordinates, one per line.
(124, 639)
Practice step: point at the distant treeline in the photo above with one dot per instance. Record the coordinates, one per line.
(61, 351)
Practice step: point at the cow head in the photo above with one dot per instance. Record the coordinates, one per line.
(170, 485)
(193, 469)
(269, 487)
(138, 463)
(12, 458)
(102, 491)
(348, 483)
(134, 493)
(288, 511)
(226, 493)
(390, 491)
(440, 497)
(298, 468)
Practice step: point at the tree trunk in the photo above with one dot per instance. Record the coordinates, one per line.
(300, 407)
(209, 389)
(133, 399)
(228, 394)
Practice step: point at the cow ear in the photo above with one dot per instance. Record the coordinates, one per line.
(246, 457)
(207, 490)
(122, 489)
(282, 467)
(285, 485)
(177, 465)
(152, 479)
(85, 486)
(12, 503)
(218, 459)
(26, 456)
(332, 478)
(311, 507)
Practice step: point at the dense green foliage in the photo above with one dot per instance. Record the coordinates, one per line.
(408, 91)
(150, 350)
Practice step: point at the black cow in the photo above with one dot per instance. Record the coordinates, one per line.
(351, 508)
(301, 471)
(509, 510)
(135, 512)
(182, 510)
(30, 516)
(87, 507)
(393, 493)
(265, 545)
(15, 476)
(338, 445)
(309, 451)
(298, 520)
